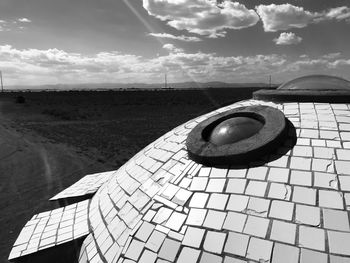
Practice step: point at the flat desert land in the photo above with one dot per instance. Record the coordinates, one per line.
(55, 138)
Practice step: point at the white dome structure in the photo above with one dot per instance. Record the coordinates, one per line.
(285, 200)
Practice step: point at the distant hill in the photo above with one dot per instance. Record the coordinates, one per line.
(109, 86)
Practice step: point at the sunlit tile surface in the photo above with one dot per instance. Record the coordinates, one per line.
(162, 207)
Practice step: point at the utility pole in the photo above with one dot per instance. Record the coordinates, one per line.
(2, 85)
(270, 81)
(165, 81)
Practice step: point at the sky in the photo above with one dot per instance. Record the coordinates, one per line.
(137, 41)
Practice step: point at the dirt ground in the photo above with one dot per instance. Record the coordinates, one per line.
(55, 138)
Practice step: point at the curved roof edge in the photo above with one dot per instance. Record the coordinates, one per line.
(280, 95)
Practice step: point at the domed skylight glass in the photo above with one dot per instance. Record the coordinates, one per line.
(316, 82)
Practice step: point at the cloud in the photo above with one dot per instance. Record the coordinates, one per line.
(286, 16)
(172, 49)
(287, 39)
(51, 66)
(181, 38)
(24, 20)
(282, 17)
(338, 13)
(203, 17)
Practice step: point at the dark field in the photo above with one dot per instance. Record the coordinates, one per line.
(75, 133)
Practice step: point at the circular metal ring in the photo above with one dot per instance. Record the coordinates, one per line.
(268, 138)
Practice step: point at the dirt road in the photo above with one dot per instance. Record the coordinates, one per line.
(32, 170)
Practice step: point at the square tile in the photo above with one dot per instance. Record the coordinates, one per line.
(155, 241)
(236, 244)
(325, 180)
(300, 163)
(218, 172)
(176, 221)
(199, 200)
(169, 249)
(210, 258)
(258, 206)
(216, 185)
(308, 256)
(302, 151)
(344, 183)
(193, 237)
(282, 210)
(257, 173)
(301, 177)
(256, 226)
(339, 242)
(284, 253)
(311, 237)
(330, 199)
(217, 201)
(336, 220)
(304, 195)
(237, 203)
(237, 173)
(196, 216)
(259, 249)
(308, 215)
(323, 152)
(236, 185)
(323, 165)
(199, 183)
(214, 242)
(280, 191)
(278, 175)
(188, 255)
(235, 221)
(343, 167)
(256, 188)
(284, 232)
(214, 219)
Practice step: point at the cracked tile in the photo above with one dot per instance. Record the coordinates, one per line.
(280, 191)
(196, 216)
(325, 180)
(308, 215)
(235, 221)
(237, 203)
(323, 165)
(258, 206)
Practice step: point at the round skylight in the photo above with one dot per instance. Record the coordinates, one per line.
(234, 129)
(316, 82)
